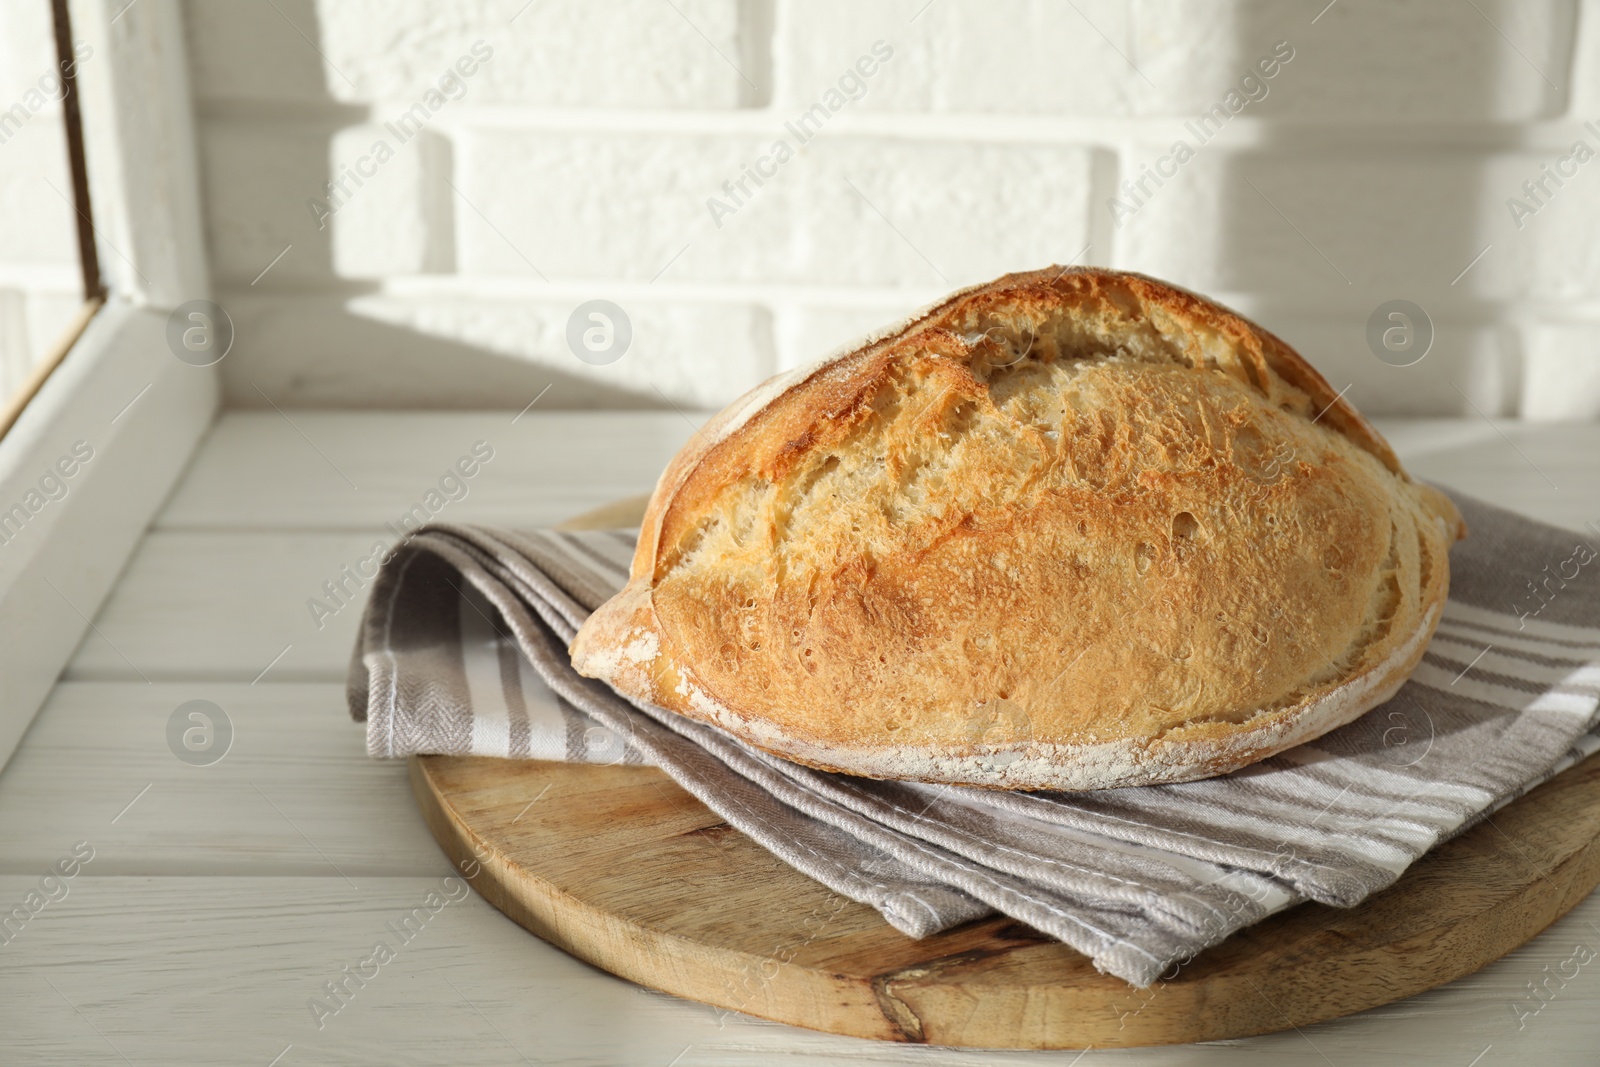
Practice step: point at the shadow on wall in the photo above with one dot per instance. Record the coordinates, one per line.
(1358, 189)
(1353, 197)
(311, 333)
(348, 352)
(1331, 232)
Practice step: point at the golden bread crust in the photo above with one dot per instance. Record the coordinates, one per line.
(1072, 529)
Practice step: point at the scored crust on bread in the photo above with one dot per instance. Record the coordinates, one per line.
(1072, 529)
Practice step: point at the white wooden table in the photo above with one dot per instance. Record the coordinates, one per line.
(220, 899)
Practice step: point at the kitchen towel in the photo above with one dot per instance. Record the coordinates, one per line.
(462, 650)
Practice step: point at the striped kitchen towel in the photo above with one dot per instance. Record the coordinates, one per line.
(463, 651)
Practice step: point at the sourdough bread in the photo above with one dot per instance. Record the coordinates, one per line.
(1072, 529)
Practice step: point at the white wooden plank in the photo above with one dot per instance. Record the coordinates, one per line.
(121, 398)
(219, 970)
(226, 606)
(295, 792)
(213, 970)
(360, 470)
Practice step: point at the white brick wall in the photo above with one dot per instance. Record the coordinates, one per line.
(39, 281)
(1561, 375)
(1364, 59)
(574, 53)
(622, 205)
(1370, 150)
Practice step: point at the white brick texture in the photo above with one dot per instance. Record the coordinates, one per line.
(1336, 156)
(1469, 363)
(1378, 60)
(844, 210)
(1361, 59)
(258, 180)
(1375, 223)
(1006, 56)
(396, 220)
(1561, 373)
(622, 53)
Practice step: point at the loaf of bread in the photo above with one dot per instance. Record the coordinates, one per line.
(1072, 529)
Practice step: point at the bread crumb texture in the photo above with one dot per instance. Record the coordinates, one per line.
(1071, 529)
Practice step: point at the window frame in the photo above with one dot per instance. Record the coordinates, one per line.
(115, 383)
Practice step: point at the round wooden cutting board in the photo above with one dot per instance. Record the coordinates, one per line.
(622, 868)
